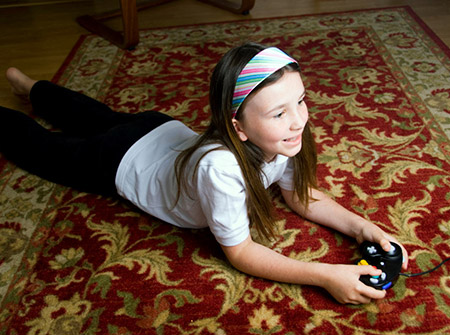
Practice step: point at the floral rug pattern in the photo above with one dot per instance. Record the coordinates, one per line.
(378, 90)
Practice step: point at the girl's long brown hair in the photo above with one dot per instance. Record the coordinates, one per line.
(249, 157)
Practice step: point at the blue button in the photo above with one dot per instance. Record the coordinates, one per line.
(386, 286)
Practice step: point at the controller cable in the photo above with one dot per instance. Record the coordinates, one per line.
(425, 272)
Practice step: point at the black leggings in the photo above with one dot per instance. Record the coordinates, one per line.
(87, 151)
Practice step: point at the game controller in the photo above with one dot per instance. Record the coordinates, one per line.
(389, 262)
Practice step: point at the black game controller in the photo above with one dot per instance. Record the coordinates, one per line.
(390, 262)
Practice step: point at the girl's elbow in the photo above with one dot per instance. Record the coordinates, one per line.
(237, 255)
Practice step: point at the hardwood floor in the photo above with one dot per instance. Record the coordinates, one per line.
(37, 38)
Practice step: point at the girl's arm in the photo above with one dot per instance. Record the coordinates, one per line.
(341, 281)
(329, 213)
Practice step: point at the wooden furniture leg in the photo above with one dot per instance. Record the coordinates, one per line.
(233, 6)
(128, 10)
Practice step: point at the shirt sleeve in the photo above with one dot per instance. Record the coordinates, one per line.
(222, 196)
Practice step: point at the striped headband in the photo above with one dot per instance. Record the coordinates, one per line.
(261, 66)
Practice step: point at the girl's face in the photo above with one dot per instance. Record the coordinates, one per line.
(274, 118)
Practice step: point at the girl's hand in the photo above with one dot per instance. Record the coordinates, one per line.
(372, 233)
(344, 284)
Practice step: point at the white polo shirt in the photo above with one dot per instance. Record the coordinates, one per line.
(215, 198)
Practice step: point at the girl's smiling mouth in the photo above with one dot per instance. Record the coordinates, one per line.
(293, 140)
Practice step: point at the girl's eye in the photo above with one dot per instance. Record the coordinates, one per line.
(301, 101)
(279, 115)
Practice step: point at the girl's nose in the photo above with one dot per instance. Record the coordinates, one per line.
(300, 117)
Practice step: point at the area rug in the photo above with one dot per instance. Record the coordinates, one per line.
(378, 90)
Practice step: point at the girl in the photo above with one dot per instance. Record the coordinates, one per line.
(258, 135)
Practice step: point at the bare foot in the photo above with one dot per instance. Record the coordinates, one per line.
(20, 83)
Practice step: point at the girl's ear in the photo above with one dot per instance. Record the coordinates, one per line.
(239, 130)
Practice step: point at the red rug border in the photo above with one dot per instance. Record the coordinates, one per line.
(69, 57)
(444, 47)
(414, 15)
